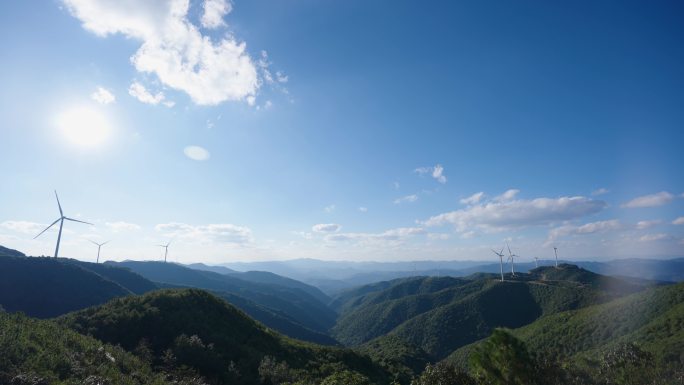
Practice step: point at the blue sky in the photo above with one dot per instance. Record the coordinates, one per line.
(384, 130)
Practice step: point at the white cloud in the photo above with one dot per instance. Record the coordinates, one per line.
(396, 185)
(141, 93)
(585, 229)
(601, 191)
(281, 77)
(438, 236)
(223, 233)
(502, 214)
(678, 221)
(473, 199)
(326, 228)
(23, 227)
(122, 226)
(196, 153)
(172, 48)
(652, 200)
(507, 196)
(408, 198)
(303, 234)
(436, 172)
(393, 236)
(103, 96)
(329, 209)
(654, 237)
(214, 11)
(363, 209)
(641, 225)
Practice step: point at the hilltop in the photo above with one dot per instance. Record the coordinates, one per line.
(212, 337)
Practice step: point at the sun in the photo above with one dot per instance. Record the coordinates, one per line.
(84, 126)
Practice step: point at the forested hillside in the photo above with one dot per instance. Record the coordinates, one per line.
(194, 328)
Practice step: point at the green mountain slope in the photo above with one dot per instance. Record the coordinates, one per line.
(653, 319)
(42, 352)
(212, 337)
(46, 287)
(278, 321)
(297, 304)
(380, 312)
(440, 315)
(121, 275)
(273, 319)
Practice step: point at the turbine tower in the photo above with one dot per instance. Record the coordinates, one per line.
(501, 255)
(61, 223)
(166, 250)
(510, 258)
(99, 245)
(555, 250)
(536, 262)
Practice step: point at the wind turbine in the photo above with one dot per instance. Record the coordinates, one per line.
(536, 262)
(510, 258)
(99, 245)
(555, 250)
(501, 255)
(61, 223)
(166, 250)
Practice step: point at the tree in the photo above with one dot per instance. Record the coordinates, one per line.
(443, 374)
(346, 377)
(503, 360)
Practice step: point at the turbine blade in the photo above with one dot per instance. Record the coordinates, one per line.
(94, 242)
(58, 204)
(46, 229)
(105, 243)
(76, 220)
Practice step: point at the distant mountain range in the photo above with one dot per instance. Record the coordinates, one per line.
(332, 277)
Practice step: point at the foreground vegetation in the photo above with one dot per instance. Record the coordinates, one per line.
(196, 331)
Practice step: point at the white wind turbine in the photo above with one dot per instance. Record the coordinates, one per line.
(99, 245)
(166, 250)
(536, 262)
(510, 258)
(555, 251)
(500, 254)
(61, 223)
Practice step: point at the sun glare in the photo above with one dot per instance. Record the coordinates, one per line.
(83, 126)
